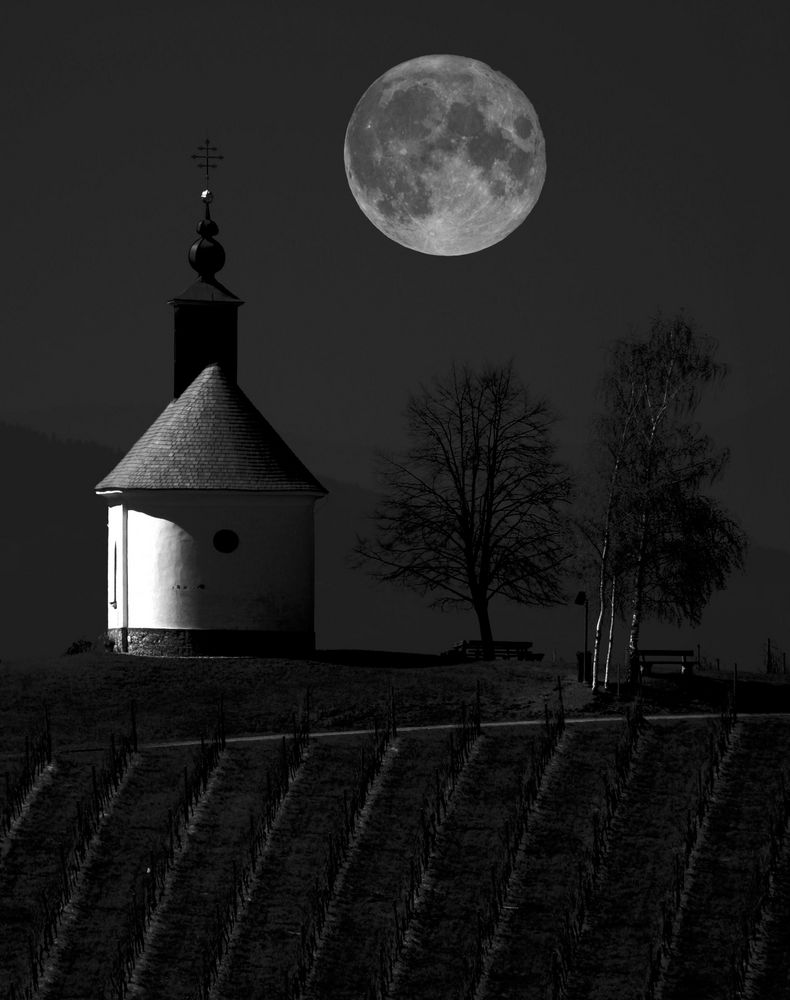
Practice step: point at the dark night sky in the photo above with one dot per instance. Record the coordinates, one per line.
(667, 149)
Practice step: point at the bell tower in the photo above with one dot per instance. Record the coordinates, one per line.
(205, 321)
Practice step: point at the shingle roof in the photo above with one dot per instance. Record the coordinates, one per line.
(211, 438)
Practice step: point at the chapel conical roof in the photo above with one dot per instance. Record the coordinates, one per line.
(211, 437)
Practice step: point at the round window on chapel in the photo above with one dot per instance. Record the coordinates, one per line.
(226, 540)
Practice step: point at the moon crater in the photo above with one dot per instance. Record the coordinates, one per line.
(445, 155)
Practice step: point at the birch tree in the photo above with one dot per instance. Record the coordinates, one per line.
(475, 508)
(672, 544)
(602, 510)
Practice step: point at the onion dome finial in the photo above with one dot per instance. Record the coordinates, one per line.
(206, 255)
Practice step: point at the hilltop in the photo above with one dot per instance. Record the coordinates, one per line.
(89, 695)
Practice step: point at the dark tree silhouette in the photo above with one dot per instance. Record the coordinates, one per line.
(474, 508)
(657, 536)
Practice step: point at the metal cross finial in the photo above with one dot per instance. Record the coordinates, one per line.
(207, 153)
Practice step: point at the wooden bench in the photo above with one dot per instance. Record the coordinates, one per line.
(472, 649)
(649, 658)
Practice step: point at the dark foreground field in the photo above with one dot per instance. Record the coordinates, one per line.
(587, 853)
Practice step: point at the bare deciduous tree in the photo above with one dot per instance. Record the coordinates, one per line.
(475, 508)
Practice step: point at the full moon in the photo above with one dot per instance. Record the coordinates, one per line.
(445, 155)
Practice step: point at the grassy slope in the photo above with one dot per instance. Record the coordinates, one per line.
(445, 926)
(722, 887)
(361, 917)
(89, 697)
(200, 881)
(29, 859)
(772, 974)
(647, 833)
(116, 868)
(265, 949)
(546, 874)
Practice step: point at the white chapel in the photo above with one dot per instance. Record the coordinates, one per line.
(210, 514)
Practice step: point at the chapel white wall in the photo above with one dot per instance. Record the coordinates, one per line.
(178, 580)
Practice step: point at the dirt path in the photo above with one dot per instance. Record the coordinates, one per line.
(585, 720)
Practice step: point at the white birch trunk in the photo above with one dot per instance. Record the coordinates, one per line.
(601, 601)
(611, 632)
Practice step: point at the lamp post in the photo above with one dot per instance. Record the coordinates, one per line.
(581, 598)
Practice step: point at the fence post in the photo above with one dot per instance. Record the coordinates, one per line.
(734, 692)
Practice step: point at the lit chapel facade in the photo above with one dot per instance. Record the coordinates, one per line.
(210, 514)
